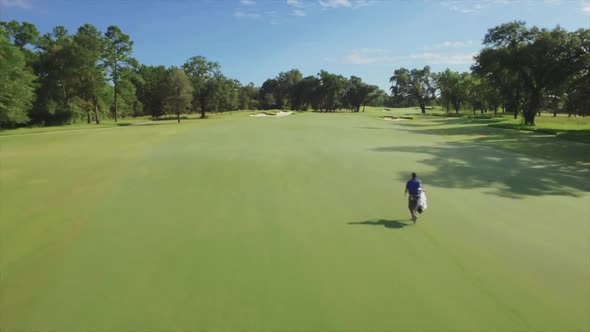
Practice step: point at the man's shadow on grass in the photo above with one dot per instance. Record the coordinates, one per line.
(396, 224)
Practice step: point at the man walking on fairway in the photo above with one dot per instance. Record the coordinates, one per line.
(414, 187)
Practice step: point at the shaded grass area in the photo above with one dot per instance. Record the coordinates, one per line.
(123, 122)
(579, 135)
(469, 166)
(469, 131)
(78, 126)
(569, 128)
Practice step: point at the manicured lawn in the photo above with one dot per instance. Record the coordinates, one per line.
(295, 223)
(574, 128)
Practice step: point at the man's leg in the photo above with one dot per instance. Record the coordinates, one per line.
(412, 207)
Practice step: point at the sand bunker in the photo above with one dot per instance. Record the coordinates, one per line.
(264, 115)
(395, 118)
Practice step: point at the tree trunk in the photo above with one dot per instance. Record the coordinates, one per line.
(423, 106)
(529, 118)
(178, 116)
(364, 107)
(532, 108)
(96, 116)
(88, 114)
(116, 78)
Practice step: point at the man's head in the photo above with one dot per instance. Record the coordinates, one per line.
(413, 175)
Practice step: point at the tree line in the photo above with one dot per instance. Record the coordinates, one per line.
(61, 78)
(520, 70)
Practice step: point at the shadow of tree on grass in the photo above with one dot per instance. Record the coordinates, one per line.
(534, 144)
(459, 165)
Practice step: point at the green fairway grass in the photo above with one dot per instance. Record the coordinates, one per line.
(572, 128)
(295, 223)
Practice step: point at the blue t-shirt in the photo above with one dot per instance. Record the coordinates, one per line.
(413, 187)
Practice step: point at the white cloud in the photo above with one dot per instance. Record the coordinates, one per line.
(552, 2)
(248, 2)
(470, 7)
(241, 14)
(445, 59)
(365, 56)
(295, 3)
(298, 12)
(448, 44)
(335, 3)
(354, 4)
(24, 4)
(586, 9)
(363, 3)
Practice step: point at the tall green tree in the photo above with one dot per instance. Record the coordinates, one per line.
(201, 72)
(358, 93)
(248, 97)
(21, 34)
(418, 84)
(90, 48)
(16, 84)
(180, 93)
(332, 91)
(286, 84)
(537, 58)
(268, 94)
(452, 89)
(118, 49)
(152, 89)
(58, 72)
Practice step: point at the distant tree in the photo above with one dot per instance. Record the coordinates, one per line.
(16, 84)
(378, 97)
(538, 59)
(248, 97)
(270, 87)
(306, 94)
(285, 92)
(89, 50)
(118, 48)
(332, 91)
(21, 34)
(201, 71)
(418, 84)
(151, 90)
(452, 92)
(180, 93)
(358, 93)
(58, 71)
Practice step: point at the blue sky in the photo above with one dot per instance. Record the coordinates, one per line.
(255, 39)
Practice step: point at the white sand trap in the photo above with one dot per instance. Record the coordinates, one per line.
(264, 115)
(390, 118)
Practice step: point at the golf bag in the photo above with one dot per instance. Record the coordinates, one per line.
(422, 203)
